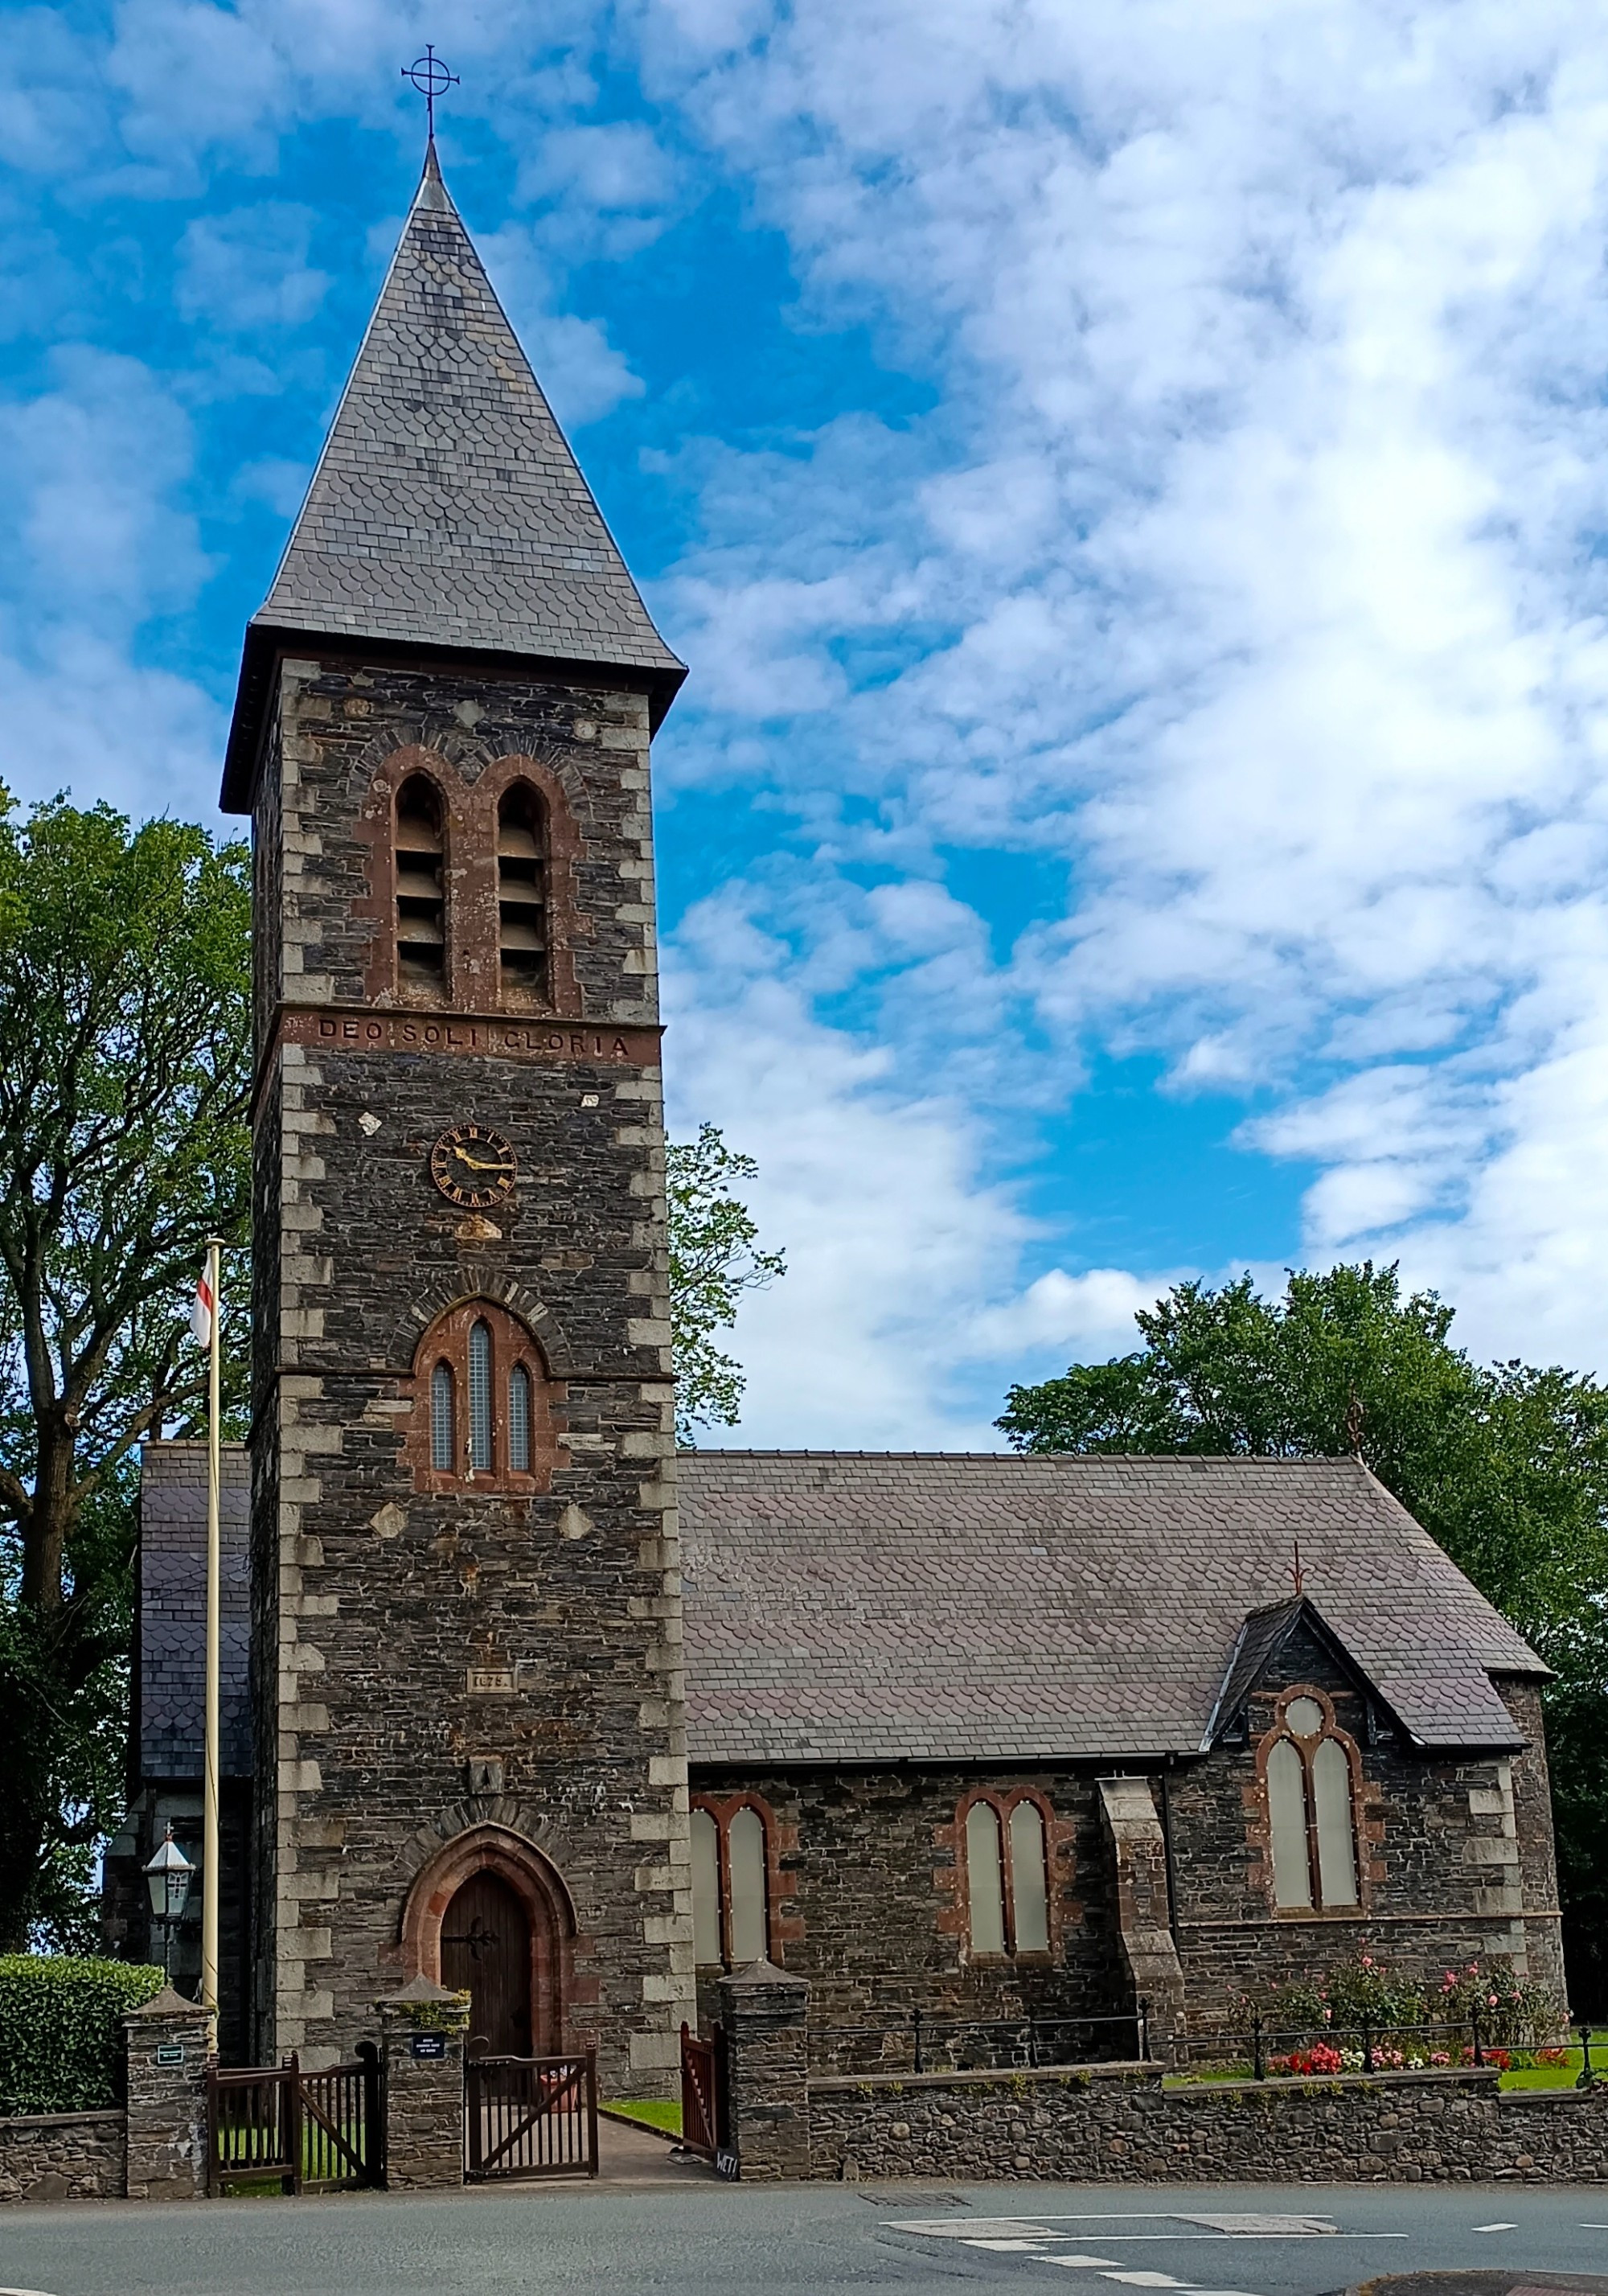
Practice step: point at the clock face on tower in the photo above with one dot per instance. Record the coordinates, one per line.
(473, 1168)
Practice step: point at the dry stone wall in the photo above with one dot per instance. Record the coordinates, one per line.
(62, 2156)
(1114, 2125)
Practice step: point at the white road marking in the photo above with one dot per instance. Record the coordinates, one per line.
(1262, 2222)
(1145, 2279)
(1496, 2227)
(967, 2228)
(1014, 2247)
(1082, 2263)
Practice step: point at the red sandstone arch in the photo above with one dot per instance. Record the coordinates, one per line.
(548, 1905)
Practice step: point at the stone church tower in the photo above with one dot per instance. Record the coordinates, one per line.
(467, 1671)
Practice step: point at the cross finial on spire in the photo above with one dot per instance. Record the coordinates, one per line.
(1298, 1575)
(1353, 1425)
(432, 79)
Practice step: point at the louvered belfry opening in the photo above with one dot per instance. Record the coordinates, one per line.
(522, 892)
(420, 887)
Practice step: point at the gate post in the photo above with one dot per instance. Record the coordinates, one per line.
(422, 2032)
(763, 2014)
(168, 2045)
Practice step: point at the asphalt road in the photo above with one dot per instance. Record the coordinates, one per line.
(693, 2237)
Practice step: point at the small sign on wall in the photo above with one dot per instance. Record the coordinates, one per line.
(170, 2052)
(427, 2045)
(490, 1681)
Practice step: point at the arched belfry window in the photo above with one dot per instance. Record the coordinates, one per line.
(1308, 1766)
(484, 1405)
(418, 850)
(522, 902)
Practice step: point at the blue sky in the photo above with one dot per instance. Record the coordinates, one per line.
(1128, 481)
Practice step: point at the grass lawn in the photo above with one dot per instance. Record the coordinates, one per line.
(654, 2111)
(1563, 2076)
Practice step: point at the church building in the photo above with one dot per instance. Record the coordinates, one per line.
(516, 1698)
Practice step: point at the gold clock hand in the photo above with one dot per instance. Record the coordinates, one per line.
(479, 1163)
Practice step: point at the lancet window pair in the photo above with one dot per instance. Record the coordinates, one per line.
(423, 924)
(731, 1884)
(1007, 1875)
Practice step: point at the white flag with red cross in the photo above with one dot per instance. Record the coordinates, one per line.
(202, 1309)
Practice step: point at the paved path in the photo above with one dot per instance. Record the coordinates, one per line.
(669, 2234)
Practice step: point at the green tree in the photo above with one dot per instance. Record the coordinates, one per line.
(715, 1258)
(125, 1070)
(1505, 1464)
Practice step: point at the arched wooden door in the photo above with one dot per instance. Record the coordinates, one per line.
(486, 1952)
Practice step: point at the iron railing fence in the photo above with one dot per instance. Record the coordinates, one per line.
(914, 2041)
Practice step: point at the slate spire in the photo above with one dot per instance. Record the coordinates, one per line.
(446, 510)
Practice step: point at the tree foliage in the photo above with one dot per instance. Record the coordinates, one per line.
(1506, 1464)
(715, 1258)
(125, 1065)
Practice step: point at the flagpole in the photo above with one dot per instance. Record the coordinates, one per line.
(209, 1827)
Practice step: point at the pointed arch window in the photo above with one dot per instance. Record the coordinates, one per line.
(522, 893)
(481, 1458)
(442, 1457)
(1309, 1768)
(484, 1412)
(1004, 1840)
(418, 850)
(732, 1882)
(518, 1420)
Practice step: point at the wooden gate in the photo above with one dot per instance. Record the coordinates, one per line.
(530, 2116)
(304, 2132)
(704, 2095)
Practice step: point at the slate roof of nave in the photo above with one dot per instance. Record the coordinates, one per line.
(446, 509)
(872, 1607)
(866, 1607)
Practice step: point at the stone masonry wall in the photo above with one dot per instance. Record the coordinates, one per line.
(868, 1897)
(870, 1906)
(404, 1634)
(62, 2156)
(1117, 2125)
(1443, 1841)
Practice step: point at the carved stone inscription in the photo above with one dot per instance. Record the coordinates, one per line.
(415, 1032)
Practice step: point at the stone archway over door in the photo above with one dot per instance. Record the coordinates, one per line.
(486, 1952)
(490, 1915)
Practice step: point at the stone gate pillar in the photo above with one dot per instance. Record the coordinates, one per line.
(421, 2036)
(168, 2045)
(764, 2014)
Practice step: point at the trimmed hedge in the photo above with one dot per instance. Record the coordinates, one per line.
(61, 2030)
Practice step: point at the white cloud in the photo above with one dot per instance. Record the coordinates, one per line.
(96, 540)
(1259, 526)
(248, 270)
(582, 374)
